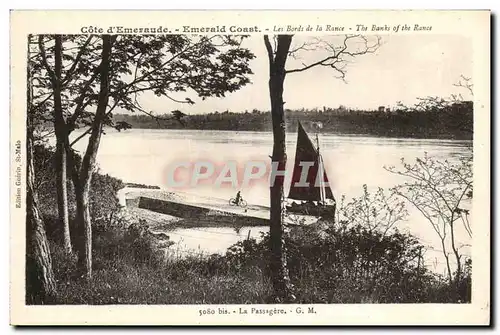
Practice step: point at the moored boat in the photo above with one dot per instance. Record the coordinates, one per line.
(309, 183)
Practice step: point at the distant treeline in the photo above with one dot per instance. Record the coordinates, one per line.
(136, 185)
(454, 121)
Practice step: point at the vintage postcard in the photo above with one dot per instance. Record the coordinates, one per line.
(250, 168)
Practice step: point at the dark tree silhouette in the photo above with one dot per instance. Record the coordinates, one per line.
(40, 282)
(333, 56)
(94, 81)
(178, 115)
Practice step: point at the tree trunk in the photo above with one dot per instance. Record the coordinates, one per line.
(40, 282)
(73, 167)
(458, 273)
(447, 259)
(278, 262)
(88, 164)
(84, 226)
(62, 195)
(60, 131)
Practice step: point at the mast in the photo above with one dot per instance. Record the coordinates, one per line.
(321, 172)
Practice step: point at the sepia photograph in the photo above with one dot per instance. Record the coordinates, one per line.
(249, 168)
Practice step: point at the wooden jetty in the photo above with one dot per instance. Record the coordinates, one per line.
(189, 206)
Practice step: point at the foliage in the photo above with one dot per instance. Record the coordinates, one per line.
(129, 269)
(103, 201)
(347, 266)
(139, 63)
(377, 211)
(350, 266)
(439, 190)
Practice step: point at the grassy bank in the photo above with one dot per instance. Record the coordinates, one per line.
(130, 268)
(127, 271)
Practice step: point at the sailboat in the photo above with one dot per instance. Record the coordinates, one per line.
(313, 191)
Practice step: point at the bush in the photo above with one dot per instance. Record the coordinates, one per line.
(350, 265)
(129, 268)
(103, 201)
(345, 263)
(343, 266)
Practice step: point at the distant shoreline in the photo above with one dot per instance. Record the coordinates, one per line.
(454, 122)
(461, 137)
(139, 185)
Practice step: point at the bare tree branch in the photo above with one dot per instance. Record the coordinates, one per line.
(437, 189)
(338, 53)
(70, 72)
(44, 59)
(269, 49)
(465, 83)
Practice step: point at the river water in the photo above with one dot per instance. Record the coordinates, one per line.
(150, 156)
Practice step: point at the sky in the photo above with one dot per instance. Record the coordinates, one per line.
(404, 68)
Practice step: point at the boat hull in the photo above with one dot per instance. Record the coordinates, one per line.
(323, 211)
